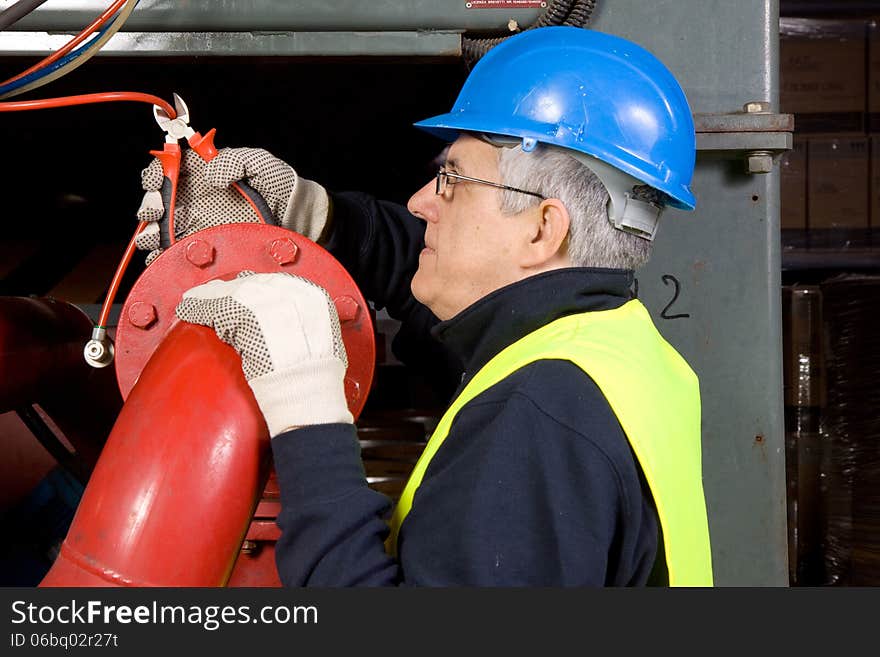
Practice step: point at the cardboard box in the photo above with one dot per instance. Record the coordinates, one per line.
(822, 73)
(793, 166)
(837, 182)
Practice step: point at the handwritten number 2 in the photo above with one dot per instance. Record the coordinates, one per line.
(668, 279)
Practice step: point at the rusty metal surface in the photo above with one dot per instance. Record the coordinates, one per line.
(744, 122)
(742, 143)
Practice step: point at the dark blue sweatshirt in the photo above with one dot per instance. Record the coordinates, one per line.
(535, 485)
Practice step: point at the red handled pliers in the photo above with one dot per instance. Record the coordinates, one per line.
(170, 156)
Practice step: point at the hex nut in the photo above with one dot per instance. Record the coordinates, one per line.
(142, 314)
(759, 163)
(200, 253)
(347, 308)
(757, 107)
(284, 251)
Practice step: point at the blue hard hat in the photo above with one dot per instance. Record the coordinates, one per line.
(587, 91)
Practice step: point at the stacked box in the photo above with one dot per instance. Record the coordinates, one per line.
(837, 190)
(793, 167)
(822, 73)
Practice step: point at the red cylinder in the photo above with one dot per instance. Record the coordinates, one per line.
(173, 493)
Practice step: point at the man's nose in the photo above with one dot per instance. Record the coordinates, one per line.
(424, 204)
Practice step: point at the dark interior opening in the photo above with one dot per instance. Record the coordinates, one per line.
(72, 175)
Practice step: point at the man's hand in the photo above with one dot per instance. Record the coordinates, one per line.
(205, 197)
(287, 332)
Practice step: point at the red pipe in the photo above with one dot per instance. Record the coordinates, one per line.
(172, 496)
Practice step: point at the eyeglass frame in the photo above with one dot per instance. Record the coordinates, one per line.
(457, 176)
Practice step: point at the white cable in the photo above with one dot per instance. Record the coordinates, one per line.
(118, 22)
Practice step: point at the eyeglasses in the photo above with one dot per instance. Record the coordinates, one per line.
(446, 179)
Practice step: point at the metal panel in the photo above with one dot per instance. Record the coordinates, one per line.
(724, 52)
(302, 15)
(723, 262)
(164, 44)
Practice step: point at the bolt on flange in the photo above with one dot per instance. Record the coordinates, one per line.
(284, 251)
(200, 253)
(347, 308)
(142, 314)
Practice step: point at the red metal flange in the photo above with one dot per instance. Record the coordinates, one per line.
(221, 253)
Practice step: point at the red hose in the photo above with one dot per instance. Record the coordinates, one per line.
(117, 277)
(86, 99)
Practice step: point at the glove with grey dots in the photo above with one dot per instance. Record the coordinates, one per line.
(205, 197)
(286, 330)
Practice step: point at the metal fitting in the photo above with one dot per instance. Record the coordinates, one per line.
(142, 314)
(347, 308)
(99, 351)
(756, 107)
(200, 253)
(249, 547)
(283, 251)
(759, 162)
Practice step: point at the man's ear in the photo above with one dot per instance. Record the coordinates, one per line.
(548, 231)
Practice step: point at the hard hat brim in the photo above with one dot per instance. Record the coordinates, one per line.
(450, 125)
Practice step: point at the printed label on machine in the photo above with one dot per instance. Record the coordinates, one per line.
(504, 4)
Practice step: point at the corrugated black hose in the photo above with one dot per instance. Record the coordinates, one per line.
(576, 13)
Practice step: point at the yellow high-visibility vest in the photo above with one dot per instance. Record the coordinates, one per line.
(656, 398)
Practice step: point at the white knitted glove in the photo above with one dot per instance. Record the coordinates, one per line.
(198, 204)
(299, 204)
(287, 332)
(205, 198)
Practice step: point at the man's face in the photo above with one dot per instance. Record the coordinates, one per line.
(470, 246)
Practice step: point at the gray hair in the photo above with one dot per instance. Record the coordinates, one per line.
(593, 241)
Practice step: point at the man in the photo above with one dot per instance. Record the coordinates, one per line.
(570, 455)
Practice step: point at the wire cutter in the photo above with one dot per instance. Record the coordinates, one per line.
(170, 156)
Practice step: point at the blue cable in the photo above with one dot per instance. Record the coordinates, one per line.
(54, 66)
